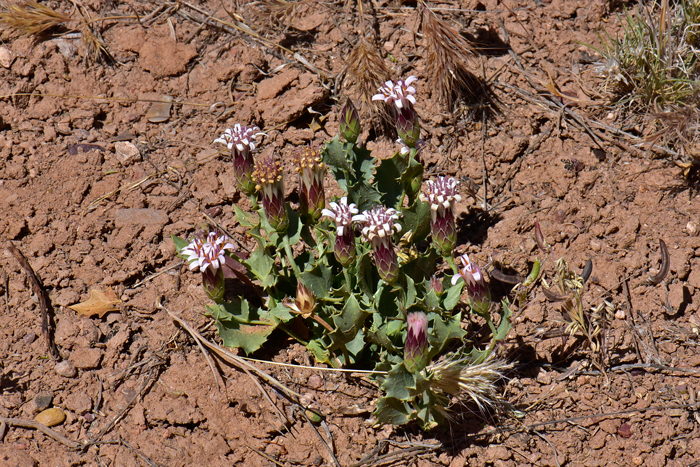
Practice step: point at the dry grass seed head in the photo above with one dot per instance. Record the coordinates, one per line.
(277, 12)
(450, 58)
(30, 18)
(365, 72)
(35, 19)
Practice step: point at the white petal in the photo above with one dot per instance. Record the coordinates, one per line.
(456, 279)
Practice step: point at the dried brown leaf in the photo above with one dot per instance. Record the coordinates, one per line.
(100, 303)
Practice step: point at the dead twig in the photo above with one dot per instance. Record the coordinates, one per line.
(229, 357)
(34, 425)
(44, 301)
(326, 444)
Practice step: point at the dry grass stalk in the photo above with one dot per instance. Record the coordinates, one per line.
(450, 58)
(365, 72)
(678, 128)
(34, 19)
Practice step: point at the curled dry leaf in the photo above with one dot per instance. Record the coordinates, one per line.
(587, 270)
(539, 238)
(100, 303)
(665, 265)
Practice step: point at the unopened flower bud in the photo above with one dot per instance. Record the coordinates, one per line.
(415, 354)
(312, 196)
(304, 303)
(436, 285)
(479, 294)
(270, 183)
(349, 123)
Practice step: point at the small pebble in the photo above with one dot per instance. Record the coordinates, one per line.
(29, 338)
(6, 57)
(315, 381)
(66, 369)
(51, 417)
(625, 430)
(126, 152)
(43, 400)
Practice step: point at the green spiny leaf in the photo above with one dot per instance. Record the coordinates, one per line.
(453, 294)
(390, 411)
(416, 218)
(337, 155)
(318, 279)
(261, 265)
(399, 383)
(180, 243)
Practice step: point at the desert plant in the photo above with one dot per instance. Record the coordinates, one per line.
(377, 299)
(655, 60)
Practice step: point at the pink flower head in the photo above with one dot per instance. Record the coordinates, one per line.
(470, 273)
(399, 94)
(241, 136)
(378, 223)
(441, 194)
(207, 251)
(342, 213)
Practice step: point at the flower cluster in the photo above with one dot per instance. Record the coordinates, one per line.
(240, 140)
(378, 225)
(208, 253)
(399, 94)
(342, 213)
(442, 194)
(203, 252)
(401, 97)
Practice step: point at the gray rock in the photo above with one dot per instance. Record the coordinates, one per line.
(43, 400)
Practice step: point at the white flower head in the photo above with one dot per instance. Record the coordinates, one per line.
(441, 194)
(342, 213)
(399, 94)
(378, 223)
(241, 136)
(207, 251)
(470, 272)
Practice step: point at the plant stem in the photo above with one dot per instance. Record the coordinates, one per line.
(451, 262)
(348, 279)
(290, 256)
